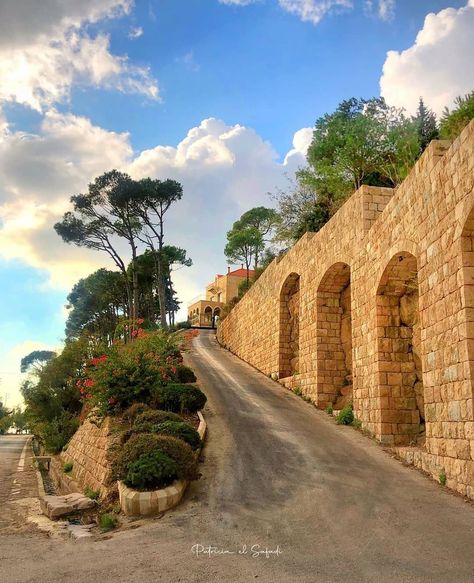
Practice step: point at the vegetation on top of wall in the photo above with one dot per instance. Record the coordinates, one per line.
(454, 121)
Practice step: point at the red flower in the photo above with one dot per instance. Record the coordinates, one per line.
(89, 383)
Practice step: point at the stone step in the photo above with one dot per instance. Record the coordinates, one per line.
(55, 507)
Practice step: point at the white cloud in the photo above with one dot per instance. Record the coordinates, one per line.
(438, 66)
(238, 2)
(135, 32)
(386, 9)
(38, 174)
(383, 9)
(314, 10)
(301, 142)
(224, 169)
(44, 50)
(188, 59)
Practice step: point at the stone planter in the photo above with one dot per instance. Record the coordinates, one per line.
(135, 503)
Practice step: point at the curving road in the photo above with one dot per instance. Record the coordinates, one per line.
(328, 504)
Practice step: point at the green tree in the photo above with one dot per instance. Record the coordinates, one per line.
(98, 301)
(36, 359)
(454, 121)
(427, 126)
(263, 220)
(362, 142)
(52, 398)
(241, 245)
(154, 199)
(106, 211)
(5, 419)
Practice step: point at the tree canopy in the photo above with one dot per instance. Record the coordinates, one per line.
(454, 121)
(116, 206)
(37, 358)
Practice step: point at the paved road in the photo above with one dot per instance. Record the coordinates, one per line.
(279, 474)
(14, 475)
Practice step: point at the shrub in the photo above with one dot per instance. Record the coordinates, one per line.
(55, 434)
(181, 430)
(146, 443)
(151, 417)
(297, 391)
(151, 471)
(128, 373)
(107, 522)
(329, 409)
(184, 374)
(179, 398)
(92, 494)
(67, 467)
(345, 416)
(442, 478)
(357, 423)
(134, 411)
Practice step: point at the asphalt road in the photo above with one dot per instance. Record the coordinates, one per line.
(328, 503)
(12, 483)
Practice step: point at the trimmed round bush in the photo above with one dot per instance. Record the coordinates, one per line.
(151, 417)
(184, 374)
(179, 398)
(181, 453)
(142, 444)
(151, 471)
(134, 411)
(181, 430)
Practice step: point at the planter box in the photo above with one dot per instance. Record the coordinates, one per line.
(135, 503)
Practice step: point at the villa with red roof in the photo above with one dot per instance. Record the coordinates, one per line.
(205, 311)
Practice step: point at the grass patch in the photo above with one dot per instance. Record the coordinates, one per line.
(107, 522)
(92, 494)
(442, 478)
(67, 467)
(329, 409)
(297, 391)
(345, 416)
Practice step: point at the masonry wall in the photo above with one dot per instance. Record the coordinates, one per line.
(89, 451)
(406, 259)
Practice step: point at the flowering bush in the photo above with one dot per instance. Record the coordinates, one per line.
(128, 373)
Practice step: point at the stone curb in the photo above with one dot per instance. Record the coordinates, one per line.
(135, 503)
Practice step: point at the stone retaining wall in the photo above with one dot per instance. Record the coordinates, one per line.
(406, 258)
(88, 451)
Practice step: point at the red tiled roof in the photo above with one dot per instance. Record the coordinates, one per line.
(242, 272)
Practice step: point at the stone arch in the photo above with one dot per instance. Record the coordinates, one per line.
(208, 315)
(334, 337)
(399, 353)
(217, 312)
(289, 327)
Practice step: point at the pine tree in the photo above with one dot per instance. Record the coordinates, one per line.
(427, 125)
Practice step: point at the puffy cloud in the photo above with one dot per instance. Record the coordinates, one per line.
(224, 170)
(45, 50)
(438, 66)
(301, 142)
(27, 21)
(38, 174)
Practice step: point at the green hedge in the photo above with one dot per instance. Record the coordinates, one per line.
(179, 398)
(181, 430)
(151, 471)
(145, 444)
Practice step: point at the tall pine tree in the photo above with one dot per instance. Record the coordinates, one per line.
(427, 125)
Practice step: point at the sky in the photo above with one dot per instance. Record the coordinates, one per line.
(218, 94)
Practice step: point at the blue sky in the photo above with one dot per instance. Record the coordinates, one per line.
(218, 94)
